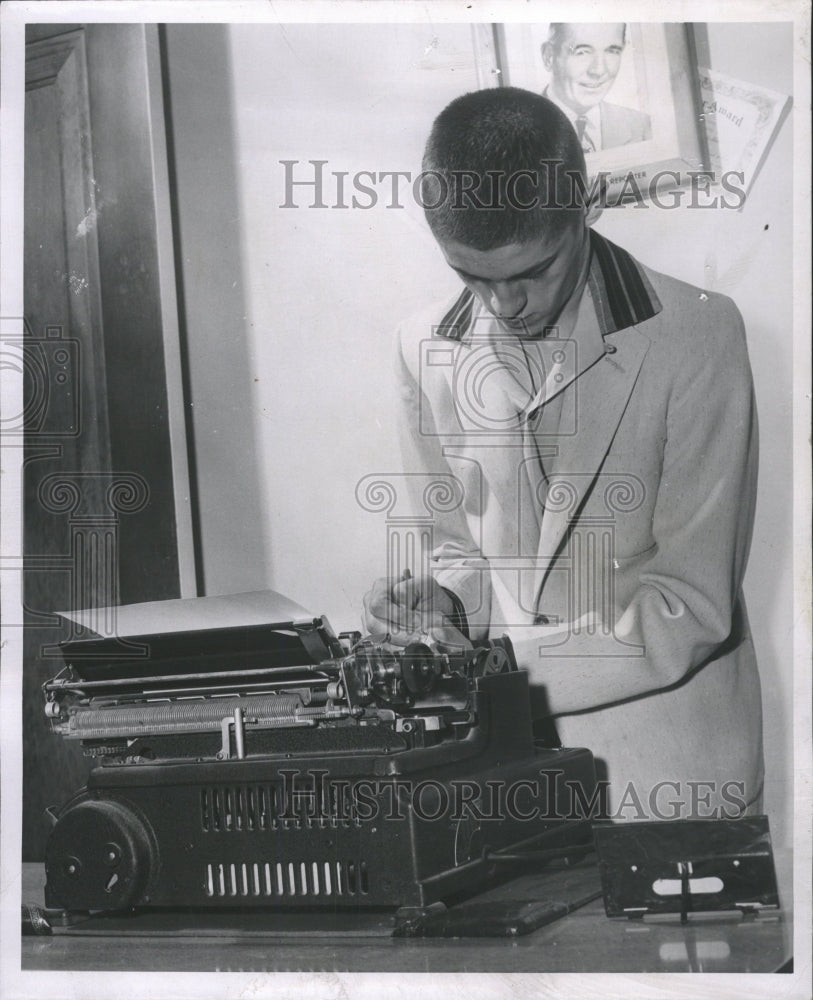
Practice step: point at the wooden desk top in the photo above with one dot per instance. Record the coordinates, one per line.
(584, 941)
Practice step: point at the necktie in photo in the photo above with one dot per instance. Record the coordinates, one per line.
(587, 143)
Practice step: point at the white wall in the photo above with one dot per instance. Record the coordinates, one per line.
(326, 287)
(284, 433)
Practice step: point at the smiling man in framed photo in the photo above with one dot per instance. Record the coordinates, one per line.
(584, 61)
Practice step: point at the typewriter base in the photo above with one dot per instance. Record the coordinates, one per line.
(585, 941)
(170, 836)
(514, 907)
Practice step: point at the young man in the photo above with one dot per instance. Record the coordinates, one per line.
(595, 421)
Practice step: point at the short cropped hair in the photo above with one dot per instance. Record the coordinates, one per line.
(498, 169)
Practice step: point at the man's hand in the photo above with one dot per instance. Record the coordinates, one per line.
(408, 608)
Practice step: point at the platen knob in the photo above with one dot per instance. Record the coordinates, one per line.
(99, 857)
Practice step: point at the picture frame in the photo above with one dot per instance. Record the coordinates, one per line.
(741, 123)
(648, 137)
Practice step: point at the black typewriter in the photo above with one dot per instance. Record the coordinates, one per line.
(273, 763)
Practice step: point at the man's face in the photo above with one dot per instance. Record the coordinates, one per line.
(524, 285)
(586, 63)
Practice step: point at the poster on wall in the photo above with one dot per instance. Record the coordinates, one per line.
(404, 540)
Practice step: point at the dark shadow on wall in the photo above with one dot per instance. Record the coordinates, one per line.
(231, 552)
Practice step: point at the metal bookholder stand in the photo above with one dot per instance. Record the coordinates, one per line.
(686, 866)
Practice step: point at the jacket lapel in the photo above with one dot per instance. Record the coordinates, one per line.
(603, 393)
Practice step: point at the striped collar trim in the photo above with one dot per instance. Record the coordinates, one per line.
(457, 321)
(622, 294)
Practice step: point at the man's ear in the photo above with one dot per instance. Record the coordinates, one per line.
(547, 56)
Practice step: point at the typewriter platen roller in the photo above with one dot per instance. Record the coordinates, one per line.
(278, 764)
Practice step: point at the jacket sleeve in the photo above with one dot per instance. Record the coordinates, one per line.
(455, 559)
(682, 607)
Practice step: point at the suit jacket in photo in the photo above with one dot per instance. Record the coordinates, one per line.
(621, 126)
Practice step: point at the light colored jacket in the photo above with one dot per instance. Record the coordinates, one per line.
(611, 543)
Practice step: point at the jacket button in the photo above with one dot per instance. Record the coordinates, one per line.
(610, 348)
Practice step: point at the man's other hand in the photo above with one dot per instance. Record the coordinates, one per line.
(406, 609)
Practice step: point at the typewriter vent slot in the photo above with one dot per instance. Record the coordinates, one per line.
(286, 879)
(256, 808)
(240, 808)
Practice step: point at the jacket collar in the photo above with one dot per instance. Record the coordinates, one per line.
(622, 294)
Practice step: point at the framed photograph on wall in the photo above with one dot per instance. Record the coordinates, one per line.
(630, 90)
